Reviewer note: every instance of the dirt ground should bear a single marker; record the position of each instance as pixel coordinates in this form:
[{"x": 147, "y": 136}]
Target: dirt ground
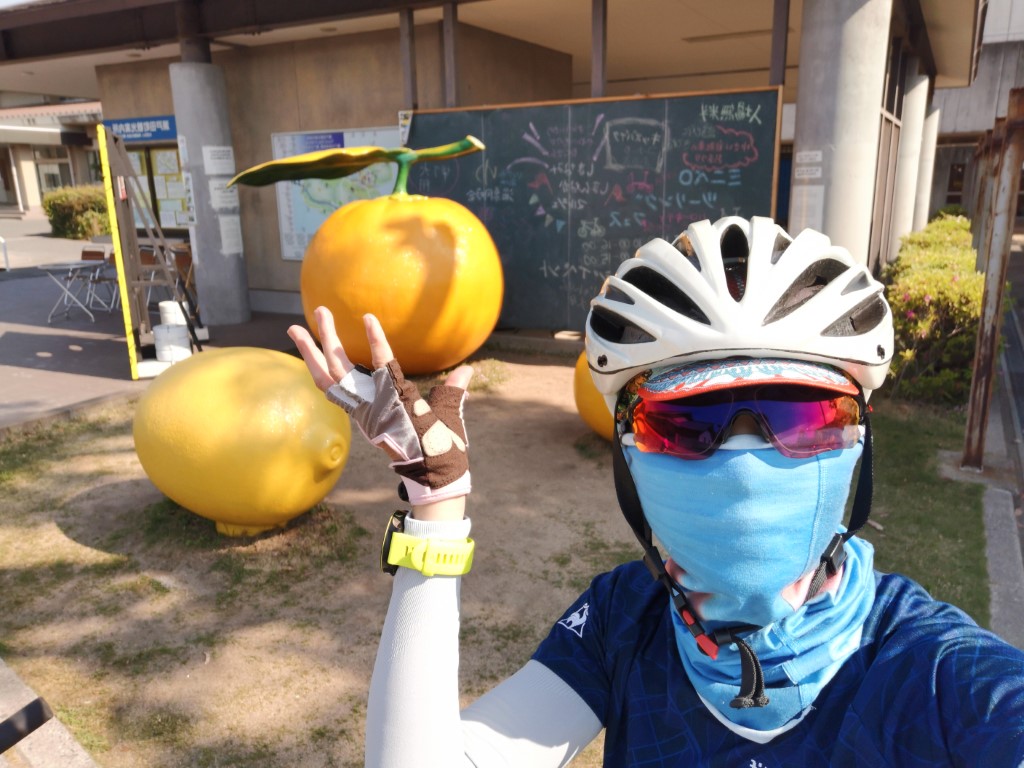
[{"x": 160, "y": 643}]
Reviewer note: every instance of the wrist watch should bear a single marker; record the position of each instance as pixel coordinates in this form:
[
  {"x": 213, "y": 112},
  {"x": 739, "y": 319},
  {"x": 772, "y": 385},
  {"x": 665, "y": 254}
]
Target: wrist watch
[{"x": 431, "y": 557}]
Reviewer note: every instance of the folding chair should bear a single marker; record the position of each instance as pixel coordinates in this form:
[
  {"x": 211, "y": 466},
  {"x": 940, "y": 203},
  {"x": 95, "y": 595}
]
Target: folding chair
[{"x": 101, "y": 292}]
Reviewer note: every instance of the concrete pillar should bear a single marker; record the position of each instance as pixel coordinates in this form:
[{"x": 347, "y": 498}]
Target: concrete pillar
[
  {"x": 193, "y": 44},
  {"x": 208, "y": 157},
  {"x": 908, "y": 156},
  {"x": 843, "y": 50},
  {"x": 449, "y": 53},
  {"x": 598, "y": 48},
  {"x": 926, "y": 169}
]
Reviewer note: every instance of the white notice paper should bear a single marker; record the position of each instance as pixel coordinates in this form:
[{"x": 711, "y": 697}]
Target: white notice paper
[
  {"x": 222, "y": 197},
  {"x": 190, "y": 199},
  {"x": 807, "y": 172},
  {"x": 219, "y": 161},
  {"x": 230, "y": 234}
]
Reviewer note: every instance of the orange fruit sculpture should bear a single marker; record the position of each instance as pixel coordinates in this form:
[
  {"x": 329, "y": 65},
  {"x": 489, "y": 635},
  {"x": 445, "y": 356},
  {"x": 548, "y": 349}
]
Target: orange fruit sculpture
[
  {"x": 589, "y": 402},
  {"x": 426, "y": 267},
  {"x": 241, "y": 436}
]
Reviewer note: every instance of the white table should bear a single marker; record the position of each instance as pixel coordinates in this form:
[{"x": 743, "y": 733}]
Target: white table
[{"x": 72, "y": 277}]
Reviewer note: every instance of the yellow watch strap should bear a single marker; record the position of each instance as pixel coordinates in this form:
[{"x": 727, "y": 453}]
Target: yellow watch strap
[{"x": 431, "y": 557}]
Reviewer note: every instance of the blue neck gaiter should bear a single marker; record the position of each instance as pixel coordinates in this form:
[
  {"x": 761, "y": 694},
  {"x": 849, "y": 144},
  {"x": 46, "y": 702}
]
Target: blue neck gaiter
[
  {"x": 799, "y": 655},
  {"x": 743, "y": 524}
]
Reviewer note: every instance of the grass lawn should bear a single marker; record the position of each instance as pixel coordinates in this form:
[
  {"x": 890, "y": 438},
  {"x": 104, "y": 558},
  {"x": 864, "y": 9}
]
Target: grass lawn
[{"x": 932, "y": 527}]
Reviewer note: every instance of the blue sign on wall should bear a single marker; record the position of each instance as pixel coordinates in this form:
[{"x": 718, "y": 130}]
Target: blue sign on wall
[{"x": 154, "y": 128}]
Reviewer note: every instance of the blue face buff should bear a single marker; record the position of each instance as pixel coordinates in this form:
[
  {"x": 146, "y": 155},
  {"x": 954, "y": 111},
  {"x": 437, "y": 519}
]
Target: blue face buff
[
  {"x": 799, "y": 655},
  {"x": 743, "y": 524}
]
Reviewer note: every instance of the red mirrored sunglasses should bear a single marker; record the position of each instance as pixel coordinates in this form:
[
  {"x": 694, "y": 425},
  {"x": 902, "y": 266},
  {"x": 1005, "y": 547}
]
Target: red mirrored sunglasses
[{"x": 799, "y": 421}]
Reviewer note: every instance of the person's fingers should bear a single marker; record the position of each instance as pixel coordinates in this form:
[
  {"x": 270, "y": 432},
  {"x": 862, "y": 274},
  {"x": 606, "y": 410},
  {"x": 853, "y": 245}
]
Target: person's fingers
[
  {"x": 313, "y": 357},
  {"x": 338, "y": 363},
  {"x": 380, "y": 350},
  {"x": 460, "y": 377}
]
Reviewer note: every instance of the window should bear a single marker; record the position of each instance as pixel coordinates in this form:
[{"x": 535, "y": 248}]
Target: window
[
  {"x": 8, "y": 192},
  {"x": 53, "y": 168},
  {"x": 57, "y": 152},
  {"x": 92, "y": 159},
  {"x": 955, "y": 185}
]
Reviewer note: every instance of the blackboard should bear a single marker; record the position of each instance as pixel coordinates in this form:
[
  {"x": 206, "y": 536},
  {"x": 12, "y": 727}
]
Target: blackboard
[{"x": 568, "y": 190}]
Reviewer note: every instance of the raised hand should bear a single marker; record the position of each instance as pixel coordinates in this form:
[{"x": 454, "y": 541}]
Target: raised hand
[{"x": 425, "y": 438}]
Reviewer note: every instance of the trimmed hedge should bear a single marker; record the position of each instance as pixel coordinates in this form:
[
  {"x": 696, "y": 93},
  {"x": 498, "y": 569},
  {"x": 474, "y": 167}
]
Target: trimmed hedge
[
  {"x": 935, "y": 294},
  {"x": 77, "y": 213},
  {"x": 950, "y": 209}
]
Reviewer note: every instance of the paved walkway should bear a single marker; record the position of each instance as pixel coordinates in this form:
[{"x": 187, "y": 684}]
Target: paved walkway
[{"x": 50, "y": 370}]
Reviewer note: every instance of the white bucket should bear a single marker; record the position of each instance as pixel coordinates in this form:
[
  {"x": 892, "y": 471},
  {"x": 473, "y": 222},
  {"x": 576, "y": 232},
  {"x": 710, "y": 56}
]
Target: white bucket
[
  {"x": 170, "y": 313},
  {"x": 172, "y": 343}
]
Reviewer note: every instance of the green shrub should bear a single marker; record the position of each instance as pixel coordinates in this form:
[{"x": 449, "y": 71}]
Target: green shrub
[
  {"x": 951, "y": 209},
  {"x": 77, "y": 213},
  {"x": 935, "y": 294}
]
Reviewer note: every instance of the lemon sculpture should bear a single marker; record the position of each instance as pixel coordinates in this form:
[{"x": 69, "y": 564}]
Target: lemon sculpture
[
  {"x": 425, "y": 266},
  {"x": 589, "y": 402},
  {"x": 241, "y": 436}
]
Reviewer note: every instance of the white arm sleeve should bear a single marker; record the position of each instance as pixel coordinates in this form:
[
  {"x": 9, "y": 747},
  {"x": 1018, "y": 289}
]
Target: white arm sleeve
[{"x": 534, "y": 718}]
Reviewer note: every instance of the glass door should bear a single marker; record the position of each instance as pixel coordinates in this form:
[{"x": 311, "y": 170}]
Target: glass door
[{"x": 8, "y": 184}]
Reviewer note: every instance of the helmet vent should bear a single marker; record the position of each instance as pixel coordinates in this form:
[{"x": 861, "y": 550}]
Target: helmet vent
[
  {"x": 665, "y": 292},
  {"x": 685, "y": 247},
  {"x": 861, "y": 282},
  {"x": 805, "y": 288},
  {"x": 861, "y": 319},
  {"x": 781, "y": 244},
  {"x": 614, "y": 294},
  {"x": 735, "y": 254},
  {"x": 611, "y": 327}
]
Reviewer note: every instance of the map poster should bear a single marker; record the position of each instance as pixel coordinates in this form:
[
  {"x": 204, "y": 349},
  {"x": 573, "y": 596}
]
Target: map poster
[{"x": 302, "y": 206}]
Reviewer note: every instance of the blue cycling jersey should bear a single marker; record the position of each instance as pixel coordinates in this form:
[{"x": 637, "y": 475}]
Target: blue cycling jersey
[{"x": 927, "y": 687}]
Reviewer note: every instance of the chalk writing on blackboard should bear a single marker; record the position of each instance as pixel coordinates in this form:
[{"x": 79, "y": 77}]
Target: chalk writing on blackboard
[
  {"x": 732, "y": 149},
  {"x": 570, "y": 190},
  {"x": 635, "y": 143},
  {"x": 737, "y": 111}
]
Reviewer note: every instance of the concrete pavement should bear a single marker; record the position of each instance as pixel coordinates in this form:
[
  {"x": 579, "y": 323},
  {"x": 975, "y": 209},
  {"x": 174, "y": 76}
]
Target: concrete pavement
[{"x": 50, "y": 369}]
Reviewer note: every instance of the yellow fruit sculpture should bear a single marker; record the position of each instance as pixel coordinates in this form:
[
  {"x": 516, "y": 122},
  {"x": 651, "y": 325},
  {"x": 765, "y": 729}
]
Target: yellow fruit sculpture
[
  {"x": 589, "y": 402},
  {"x": 426, "y": 267},
  {"x": 241, "y": 436}
]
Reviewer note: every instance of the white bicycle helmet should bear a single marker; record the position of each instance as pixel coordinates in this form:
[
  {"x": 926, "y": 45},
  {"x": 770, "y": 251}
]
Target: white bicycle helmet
[{"x": 739, "y": 288}]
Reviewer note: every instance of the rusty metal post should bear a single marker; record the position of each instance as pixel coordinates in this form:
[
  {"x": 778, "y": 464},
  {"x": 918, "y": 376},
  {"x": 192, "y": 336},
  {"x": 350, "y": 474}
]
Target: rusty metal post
[
  {"x": 984, "y": 199},
  {"x": 998, "y": 238},
  {"x": 997, "y": 150},
  {"x": 970, "y": 193}
]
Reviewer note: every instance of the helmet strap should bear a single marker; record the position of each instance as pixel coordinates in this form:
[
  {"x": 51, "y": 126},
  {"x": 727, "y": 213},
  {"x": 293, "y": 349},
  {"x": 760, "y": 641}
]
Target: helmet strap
[{"x": 834, "y": 556}]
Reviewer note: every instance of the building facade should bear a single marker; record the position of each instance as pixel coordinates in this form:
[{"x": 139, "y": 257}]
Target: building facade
[
  {"x": 44, "y": 147},
  {"x": 966, "y": 113},
  {"x": 856, "y": 77}
]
